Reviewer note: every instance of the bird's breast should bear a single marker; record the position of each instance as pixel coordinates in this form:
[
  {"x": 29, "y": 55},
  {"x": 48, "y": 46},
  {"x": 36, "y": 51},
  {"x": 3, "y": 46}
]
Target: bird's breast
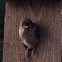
[{"x": 28, "y": 37}]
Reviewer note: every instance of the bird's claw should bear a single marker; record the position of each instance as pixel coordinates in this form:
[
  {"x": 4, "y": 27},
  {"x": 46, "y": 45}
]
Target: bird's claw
[
  {"x": 27, "y": 52},
  {"x": 33, "y": 51}
]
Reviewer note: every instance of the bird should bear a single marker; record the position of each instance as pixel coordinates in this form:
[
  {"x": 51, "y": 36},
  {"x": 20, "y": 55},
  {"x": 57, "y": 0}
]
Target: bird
[{"x": 29, "y": 33}]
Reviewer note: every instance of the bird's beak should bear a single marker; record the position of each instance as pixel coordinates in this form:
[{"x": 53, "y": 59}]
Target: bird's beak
[{"x": 25, "y": 27}]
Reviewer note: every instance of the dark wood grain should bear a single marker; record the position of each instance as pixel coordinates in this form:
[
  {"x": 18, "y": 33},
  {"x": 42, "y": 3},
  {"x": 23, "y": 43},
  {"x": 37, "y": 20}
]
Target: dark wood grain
[{"x": 48, "y": 14}]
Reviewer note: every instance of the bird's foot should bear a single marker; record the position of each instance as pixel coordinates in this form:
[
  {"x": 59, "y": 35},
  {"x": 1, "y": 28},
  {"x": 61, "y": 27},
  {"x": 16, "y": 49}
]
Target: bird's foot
[
  {"x": 28, "y": 52},
  {"x": 33, "y": 51}
]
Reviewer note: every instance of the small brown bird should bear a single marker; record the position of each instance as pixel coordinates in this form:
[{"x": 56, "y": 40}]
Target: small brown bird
[{"x": 29, "y": 33}]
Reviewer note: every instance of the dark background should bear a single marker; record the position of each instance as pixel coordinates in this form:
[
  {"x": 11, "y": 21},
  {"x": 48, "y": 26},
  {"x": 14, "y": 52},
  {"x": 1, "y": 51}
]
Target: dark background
[{"x": 2, "y": 14}]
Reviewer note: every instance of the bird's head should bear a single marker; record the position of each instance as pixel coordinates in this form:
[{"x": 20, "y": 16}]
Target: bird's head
[{"x": 26, "y": 23}]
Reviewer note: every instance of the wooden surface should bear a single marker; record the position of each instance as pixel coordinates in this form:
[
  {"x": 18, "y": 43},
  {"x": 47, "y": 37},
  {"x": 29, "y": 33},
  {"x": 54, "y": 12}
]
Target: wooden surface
[{"x": 48, "y": 14}]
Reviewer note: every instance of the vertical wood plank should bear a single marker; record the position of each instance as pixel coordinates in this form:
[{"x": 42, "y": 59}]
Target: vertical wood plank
[{"x": 48, "y": 14}]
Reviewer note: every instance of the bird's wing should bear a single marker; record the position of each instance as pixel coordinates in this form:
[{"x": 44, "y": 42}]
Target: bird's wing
[{"x": 37, "y": 31}]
